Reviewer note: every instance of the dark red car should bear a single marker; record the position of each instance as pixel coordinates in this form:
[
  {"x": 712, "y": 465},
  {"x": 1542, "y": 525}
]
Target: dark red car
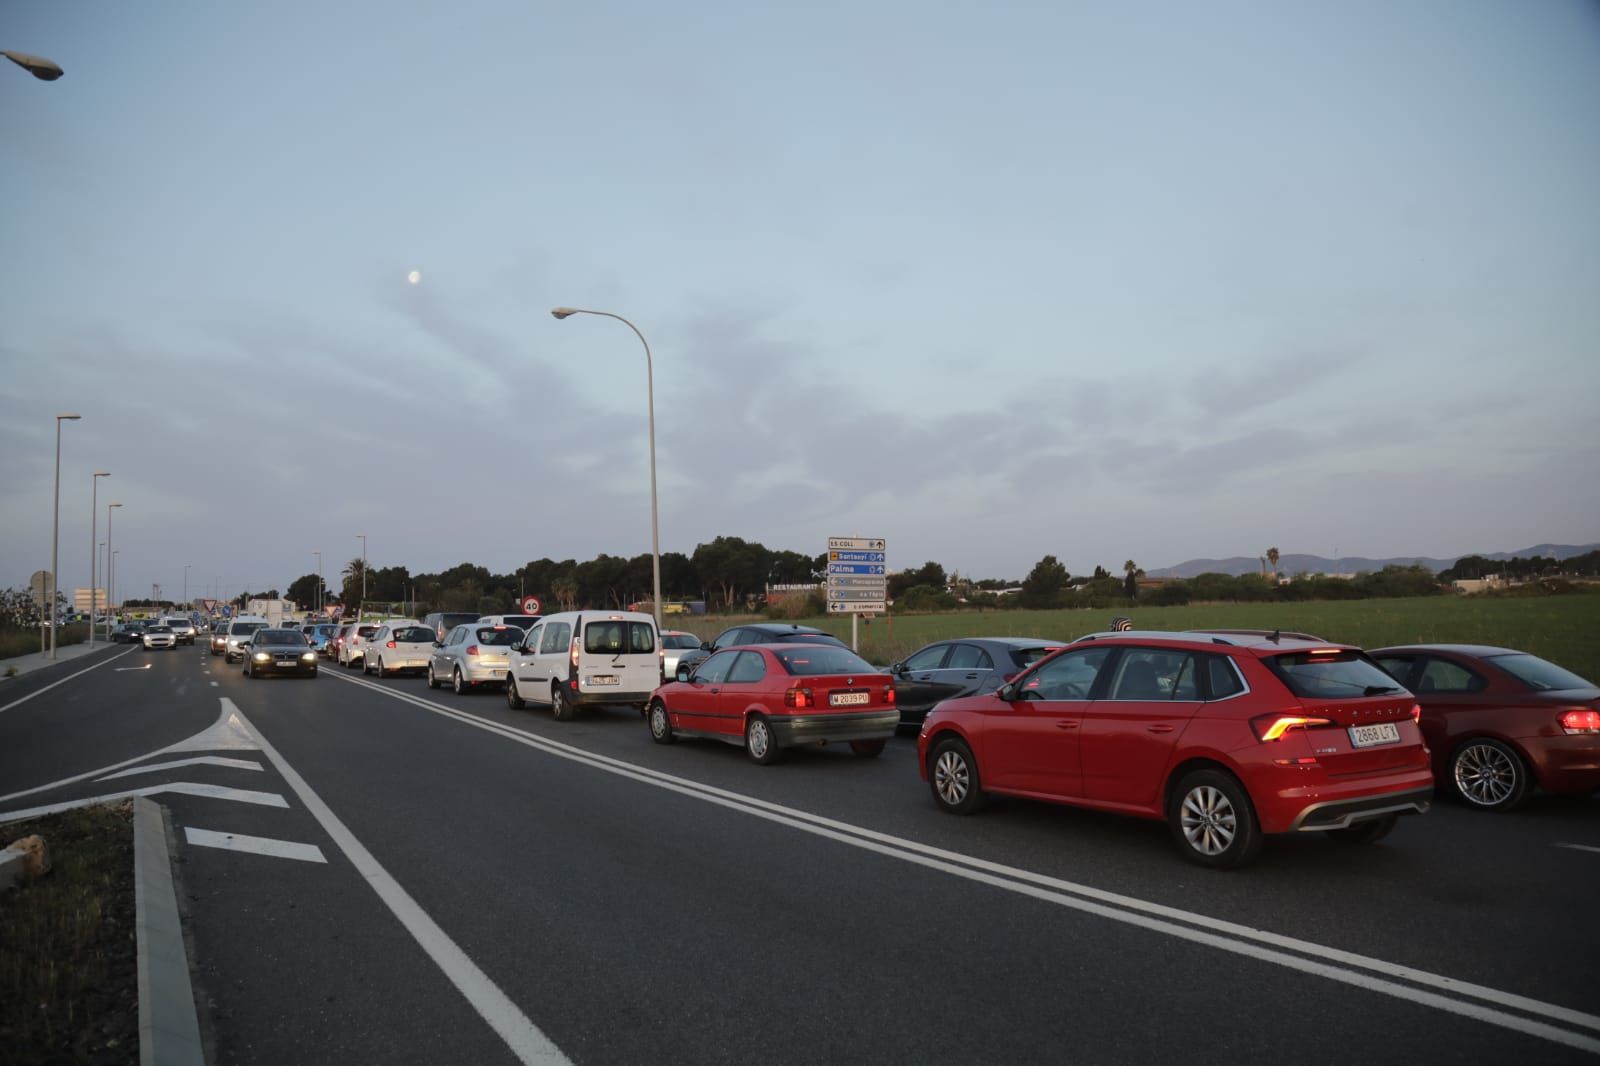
[
  {"x": 1226, "y": 737},
  {"x": 1500, "y": 721},
  {"x": 775, "y": 696}
]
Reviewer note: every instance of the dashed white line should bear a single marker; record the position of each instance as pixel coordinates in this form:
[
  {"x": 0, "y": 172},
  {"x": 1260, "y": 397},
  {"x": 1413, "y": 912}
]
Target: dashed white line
[
  {"x": 1579, "y": 847},
  {"x": 277, "y": 849},
  {"x": 63, "y": 681}
]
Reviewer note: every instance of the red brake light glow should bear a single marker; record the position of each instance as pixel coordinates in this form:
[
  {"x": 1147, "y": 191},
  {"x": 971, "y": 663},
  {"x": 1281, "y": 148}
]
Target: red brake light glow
[
  {"x": 472, "y": 649},
  {"x": 389, "y": 645},
  {"x": 1416, "y": 713},
  {"x": 799, "y": 697},
  {"x": 1270, "y": 727},
  {"x": 888, "y": 694},
  {"x": 1581, "y": 721}
]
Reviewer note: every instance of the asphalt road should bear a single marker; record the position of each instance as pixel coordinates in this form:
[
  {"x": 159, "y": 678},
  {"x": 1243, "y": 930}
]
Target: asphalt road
[{"x": 489, "y": 885}]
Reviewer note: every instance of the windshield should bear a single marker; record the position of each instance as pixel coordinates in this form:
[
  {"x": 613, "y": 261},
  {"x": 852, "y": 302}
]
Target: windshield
[
  {"x": 158, "y": 629},
  {"x": 279, "y": 636},
  {"x": 1331, "y": 675},
  {"x": 823, "y": 659},
  {"x": 241, "y": 628},
  {"x": 680, "y": 641},
  {"x": 1537, "y": 674}
]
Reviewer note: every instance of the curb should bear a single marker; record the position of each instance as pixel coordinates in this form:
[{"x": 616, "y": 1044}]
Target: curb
[{"x": 169, "y": 1031}]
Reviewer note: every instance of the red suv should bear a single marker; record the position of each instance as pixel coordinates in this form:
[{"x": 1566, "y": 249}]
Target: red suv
[{"x": 1226, "y": 737}]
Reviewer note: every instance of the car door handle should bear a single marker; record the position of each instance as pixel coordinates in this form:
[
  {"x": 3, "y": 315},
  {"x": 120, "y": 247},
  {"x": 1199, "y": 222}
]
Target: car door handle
[
  {"x": 715, "y": 691},
  {"x": 1066, "y": 723},
  {"x": 1159, "y": 727}
]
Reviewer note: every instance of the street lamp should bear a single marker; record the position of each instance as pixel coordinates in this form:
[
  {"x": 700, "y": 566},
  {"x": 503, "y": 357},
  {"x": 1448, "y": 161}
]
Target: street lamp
[
  {"x": 111, "y": 570},
  {"x": 650, "y": 384},
  {"x": 186, "y": 585},
  {"x": 363, "y": 606},
  {"x": 55, "y": 533},
  {"x": 40, "y": 67},
  {"x": 94, "y": 549},
  {"x": 319, "y": 583}
]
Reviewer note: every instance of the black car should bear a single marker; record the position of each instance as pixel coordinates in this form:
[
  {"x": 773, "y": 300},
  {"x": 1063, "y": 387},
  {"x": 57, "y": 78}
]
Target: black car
[
  {"x": 129, "y": 632},
  {"x": 760, "y": 633},
  {"x": 966, "y": 666},
  {"x": 278, "y": 651}
]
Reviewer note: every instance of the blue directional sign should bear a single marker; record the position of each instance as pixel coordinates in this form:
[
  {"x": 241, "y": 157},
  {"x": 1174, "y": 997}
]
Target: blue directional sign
[
  {"x": 855, "y": 568},
  {"x": 856, "y": 557}
]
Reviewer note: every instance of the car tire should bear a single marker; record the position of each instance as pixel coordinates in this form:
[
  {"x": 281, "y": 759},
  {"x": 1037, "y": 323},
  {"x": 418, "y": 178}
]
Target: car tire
[
  {"x": 1368, "y": 832},
  {"x": 459, "y": 683},
  {"x": 433, "y": 682},
  {"x": 379, "y": 669},
  {"x": 1213, "y": 821},
  {"x": 1488, "y": 775},
  {"x": 514, "y": 698},
  {"x": 953, "y": 776},
  {"x": 561, "y": 707},
  {"x": 867, "y": 749},
  {"x": 247, "y": 672},
  {"x": 660, "y": 723},
  {"x": 759, "y": 743}
]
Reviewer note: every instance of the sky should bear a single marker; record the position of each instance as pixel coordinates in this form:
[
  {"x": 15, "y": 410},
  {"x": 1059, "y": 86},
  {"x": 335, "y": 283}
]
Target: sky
[{"x": 991, "y": 281}]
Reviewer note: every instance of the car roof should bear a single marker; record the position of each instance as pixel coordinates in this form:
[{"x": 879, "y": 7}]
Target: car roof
[
  {"x": 1474, "y": 650},
  {"x": 1010, "y": 642},
  {"x": 1250, "y": 642},
  {"x": 781, "y": 627}
]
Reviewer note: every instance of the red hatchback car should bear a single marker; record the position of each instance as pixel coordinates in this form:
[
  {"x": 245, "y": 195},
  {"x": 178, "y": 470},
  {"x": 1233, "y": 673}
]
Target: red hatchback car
[
  {"x": 773, "y": 696},
  {"x": 1226, "y": 737},
  {"x": 1499, "y": 721}
]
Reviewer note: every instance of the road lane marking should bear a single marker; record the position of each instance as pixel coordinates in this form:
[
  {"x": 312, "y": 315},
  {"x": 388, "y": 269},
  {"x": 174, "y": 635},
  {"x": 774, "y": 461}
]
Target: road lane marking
[
  {"x": 1132, "y": 910},
  {"x": 526, "y": 1040},
  {"x": 1579, "y": 847},
  {"x": 277, "y": 849},
  {"x": 63, "y": 681},
  {"x": 199, "y": 760},
  {"x": 215, "y": 685},
  {"x": 182, "y": 788},
  {"x": 126, "y": 669},
  {"x": 221, "y": 735}
]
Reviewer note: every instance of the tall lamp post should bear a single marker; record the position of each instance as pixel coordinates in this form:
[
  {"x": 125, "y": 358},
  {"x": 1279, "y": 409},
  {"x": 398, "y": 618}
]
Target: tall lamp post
[
  {"x": 186, "y": 585},
  {"x": 111, "y": 570},
  {"x": 94, "y": 550},
  {"x": 363, "y": 606},
  {"x": 319, "y": 583},
  {"x": 650, "y": 385},
  {"x": 55, "y": 535},
  {"x": 40, "y": 67}
]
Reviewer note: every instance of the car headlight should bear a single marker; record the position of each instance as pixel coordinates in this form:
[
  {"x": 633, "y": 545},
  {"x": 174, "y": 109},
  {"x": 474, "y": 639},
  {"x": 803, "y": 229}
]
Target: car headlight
[
  {"x": 261, "y": 657},
  {"x": 308, "y": 657}
]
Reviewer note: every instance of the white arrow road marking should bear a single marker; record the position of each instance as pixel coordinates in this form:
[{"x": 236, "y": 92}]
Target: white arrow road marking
[
  {"x": 223, "y": 735},
  {"x": 277, "y": 849},
  {"x": 182, "y": 788},
  {"x": 198, "y": 760},
  {"x": 63, "y": 681},
  {"x": 125, "y": 669},
  {"x": 1579, "y": 847}
]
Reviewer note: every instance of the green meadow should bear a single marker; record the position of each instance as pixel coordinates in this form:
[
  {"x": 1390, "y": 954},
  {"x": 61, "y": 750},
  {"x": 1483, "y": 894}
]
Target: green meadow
[{"x": 1563, "y": 629}]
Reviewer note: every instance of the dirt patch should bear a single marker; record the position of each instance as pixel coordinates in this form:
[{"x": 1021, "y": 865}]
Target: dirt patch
[{"x": 69, "y": 981}]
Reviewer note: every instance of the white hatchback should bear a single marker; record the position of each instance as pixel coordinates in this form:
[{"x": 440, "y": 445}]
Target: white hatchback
[{"x": 396, "y": 646}]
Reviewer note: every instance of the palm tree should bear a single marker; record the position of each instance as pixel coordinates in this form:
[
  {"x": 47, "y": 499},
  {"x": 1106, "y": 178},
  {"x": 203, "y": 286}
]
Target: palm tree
[{"x": 1272, "y": 560}]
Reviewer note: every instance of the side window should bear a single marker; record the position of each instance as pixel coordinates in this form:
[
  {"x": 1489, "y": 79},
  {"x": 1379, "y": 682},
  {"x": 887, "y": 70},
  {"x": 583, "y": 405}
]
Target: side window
[
  {"x": 534, "y": 636},
  {"x": 750, "y": 666},
  {"x": 1222, "y": 677},
  {"x": 928, "y": 658},
  {"x": 1442, "y": 675},
  {"x": 1069, "y": 676},
  {"x": 455, "y": 636},
  {"x": 557, "y": 636},
  {"x": 714, "y": 670},
  {"x": 969, "y": 657},
  {"x": 1398, "y": 667},
  {"x": 1150, "y": 674},
  {"x": 729, "y": 638}
]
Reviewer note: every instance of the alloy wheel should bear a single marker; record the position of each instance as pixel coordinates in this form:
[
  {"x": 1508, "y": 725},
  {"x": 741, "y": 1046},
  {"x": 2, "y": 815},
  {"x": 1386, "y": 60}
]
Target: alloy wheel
[
  {"x": 1209, "y": 820},
  {"x": 951, "y": 777},
  {"x": 1485, "y": 774}
]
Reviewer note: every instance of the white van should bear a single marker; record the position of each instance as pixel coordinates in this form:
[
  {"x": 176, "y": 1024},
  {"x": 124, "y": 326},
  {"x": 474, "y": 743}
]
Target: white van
[{"x": 575, "y": 658}]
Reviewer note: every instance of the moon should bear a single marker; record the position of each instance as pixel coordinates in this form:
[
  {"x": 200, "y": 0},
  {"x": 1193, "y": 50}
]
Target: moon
[{"x": 414, "y": 277}]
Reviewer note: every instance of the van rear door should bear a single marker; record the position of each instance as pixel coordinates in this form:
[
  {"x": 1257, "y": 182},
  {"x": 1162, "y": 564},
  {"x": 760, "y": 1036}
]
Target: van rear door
[{"x": 619, "y": 653}]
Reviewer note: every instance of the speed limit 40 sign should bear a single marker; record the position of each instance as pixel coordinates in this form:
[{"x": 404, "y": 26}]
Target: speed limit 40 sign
[{"x": 530, "y": 605}]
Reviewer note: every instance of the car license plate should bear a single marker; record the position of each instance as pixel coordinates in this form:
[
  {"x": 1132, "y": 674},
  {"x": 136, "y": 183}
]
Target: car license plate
[
  {"x": 1367, "y": 736},
  {"x": 603, "y": 679},
  {"x": 846, "y": 699}
]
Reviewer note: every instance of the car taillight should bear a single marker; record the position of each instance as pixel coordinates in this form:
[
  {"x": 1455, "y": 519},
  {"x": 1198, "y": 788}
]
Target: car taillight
[
  {"x": 888, "y": 694},
  {"x": 799, "y": 697},
  {"x": 1271, "y": 727},
  {"x": 391, "y": 644},
  {"x": 472, "y": 649},
  {"x": 1581, "y": 721},
  {"x": 573, "y": 654},
  {"x": 1416, "y": 713}
]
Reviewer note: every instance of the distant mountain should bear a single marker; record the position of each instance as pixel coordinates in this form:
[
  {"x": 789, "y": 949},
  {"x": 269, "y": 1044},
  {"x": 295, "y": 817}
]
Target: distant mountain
[{"x": 1354, "y": 564}]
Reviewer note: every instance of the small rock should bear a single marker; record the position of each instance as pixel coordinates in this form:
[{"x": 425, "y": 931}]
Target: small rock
[{"x": 36, "y": 856}]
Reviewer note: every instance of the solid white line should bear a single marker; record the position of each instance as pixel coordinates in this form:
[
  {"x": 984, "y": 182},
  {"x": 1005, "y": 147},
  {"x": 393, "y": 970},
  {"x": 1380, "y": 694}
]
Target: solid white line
[
  {"x": 916, "y": 852},
  {"x": 277, "y": 849},
  {"x": 63, "y": 681},
  {"x": 198, "y": 760},
  {"x": 182, "y": 788},
  {"x": 525, "y": 1039},
  {"x": 1578, "y": 847}
]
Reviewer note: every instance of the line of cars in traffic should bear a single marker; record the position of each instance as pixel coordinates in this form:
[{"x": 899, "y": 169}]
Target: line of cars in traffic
[{"x": 1229, "y": 736}]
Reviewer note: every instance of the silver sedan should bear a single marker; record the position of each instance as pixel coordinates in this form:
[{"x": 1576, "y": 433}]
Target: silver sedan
[{"x": 472, "y": 655}]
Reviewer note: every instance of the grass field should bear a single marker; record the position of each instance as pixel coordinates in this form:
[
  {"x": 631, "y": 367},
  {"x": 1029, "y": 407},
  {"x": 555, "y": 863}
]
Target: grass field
[{"x": 1563, "y": 629}]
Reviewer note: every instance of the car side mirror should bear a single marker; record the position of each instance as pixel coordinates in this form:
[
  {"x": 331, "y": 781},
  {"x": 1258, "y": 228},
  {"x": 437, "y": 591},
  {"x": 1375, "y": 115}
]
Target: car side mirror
[
  {"x": 897, "y": 669},
  {"x": 685, "y": 672},
  {"x": 245, "y": 643},
  {"x": 705, "y": 645},
  {"x": 1007, "y": 692},
  {"x": 438, "y": 644}
]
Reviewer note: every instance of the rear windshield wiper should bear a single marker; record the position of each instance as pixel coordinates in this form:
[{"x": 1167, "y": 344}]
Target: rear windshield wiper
[{"x": 1379, "y": 690}]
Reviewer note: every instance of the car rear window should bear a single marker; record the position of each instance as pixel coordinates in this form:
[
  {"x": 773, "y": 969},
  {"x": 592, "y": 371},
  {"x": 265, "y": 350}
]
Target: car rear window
[
  {"x": 1332, "y": 674},
  {"x": 1028, "y": 656},
  {"x": 246, "y": 627},
  {"x": 680, "y": 641},
  {"x": 615, "y": 636},
  {"x": 499, "y": 636},
  {"x": 158, "y": 629},
  {"x": 415, "y": 635},
  {"x": 823, "y": 659},
  {"x": 521, "y": 621},
  {"x": 1537, "y": 674}
]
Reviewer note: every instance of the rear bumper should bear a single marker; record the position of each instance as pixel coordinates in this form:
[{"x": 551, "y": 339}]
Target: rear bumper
[
  {"x": 796, "y": 729},
  {"x": 1565, "y": 764},
  {"x": 594, "y": 697},
  {"x": 482, "y": 673}
]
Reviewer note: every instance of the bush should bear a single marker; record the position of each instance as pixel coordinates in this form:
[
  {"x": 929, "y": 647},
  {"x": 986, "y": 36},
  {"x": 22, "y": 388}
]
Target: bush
[{"x": 794, "y": 605}]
